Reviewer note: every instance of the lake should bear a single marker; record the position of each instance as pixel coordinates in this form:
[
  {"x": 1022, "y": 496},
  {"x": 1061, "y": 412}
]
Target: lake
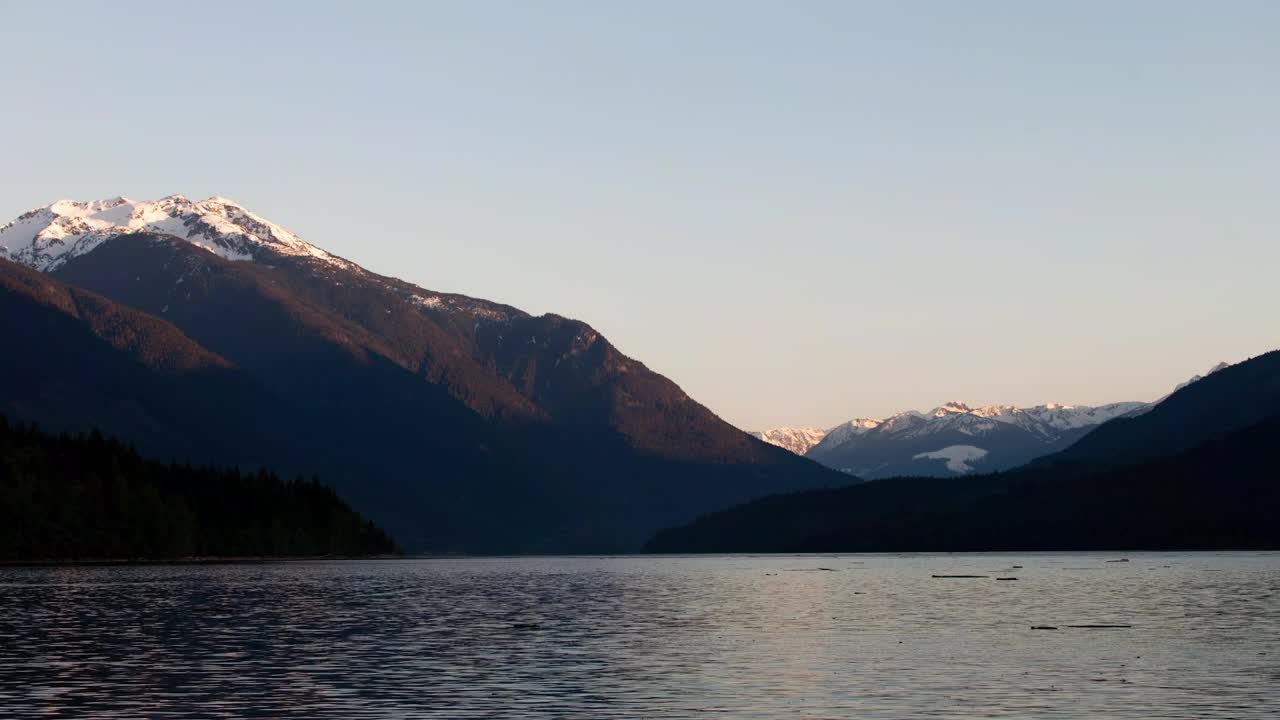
[{"x": 867, "y": 636}]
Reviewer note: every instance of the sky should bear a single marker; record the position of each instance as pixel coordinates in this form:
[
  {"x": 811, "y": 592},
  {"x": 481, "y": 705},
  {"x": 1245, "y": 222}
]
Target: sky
[{"x": 801, "y": 212}]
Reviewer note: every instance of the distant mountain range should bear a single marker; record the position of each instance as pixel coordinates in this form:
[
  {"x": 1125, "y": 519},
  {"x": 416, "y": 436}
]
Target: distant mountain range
[
  {"x": 1196, "y": 471},
  {"x": 200, "y": 330},
  {"x": 953, "y": 438}
]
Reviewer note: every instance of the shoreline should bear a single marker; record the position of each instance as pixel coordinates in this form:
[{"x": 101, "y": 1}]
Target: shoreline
[
  {"x": 263, "y": 560},
  {"x": 198, "y": 560}
]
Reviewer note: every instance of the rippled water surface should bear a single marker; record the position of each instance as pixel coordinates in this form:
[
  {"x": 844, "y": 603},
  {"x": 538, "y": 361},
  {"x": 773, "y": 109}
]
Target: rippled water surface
[{"x": 648, "y": 637}]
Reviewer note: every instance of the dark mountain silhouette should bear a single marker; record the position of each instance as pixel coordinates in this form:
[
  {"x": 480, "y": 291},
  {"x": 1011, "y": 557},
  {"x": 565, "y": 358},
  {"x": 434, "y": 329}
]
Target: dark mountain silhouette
[
  {"x": 1200, "y": 470},
  {"x": 92, "y": 498},
  {"x": 461, "y": 425},
  {"x": 1231, "y": 398}
]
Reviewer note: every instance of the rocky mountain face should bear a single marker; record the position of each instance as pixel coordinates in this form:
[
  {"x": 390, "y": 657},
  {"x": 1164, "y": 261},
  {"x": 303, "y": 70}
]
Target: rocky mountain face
[{"x": 458, "y": 423}]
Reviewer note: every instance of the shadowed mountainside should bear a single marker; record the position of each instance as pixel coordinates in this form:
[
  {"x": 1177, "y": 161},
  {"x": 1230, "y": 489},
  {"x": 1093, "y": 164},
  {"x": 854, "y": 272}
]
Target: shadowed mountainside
[
  {"x": 1235, "y": 397},
  {"x": 462, "y": 425}
]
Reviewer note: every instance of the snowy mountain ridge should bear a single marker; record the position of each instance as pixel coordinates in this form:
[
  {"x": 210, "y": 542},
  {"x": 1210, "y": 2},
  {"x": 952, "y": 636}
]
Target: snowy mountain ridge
[
  {"x": 956, "y": 438},
  {"x": 796, "y": 439},
  {"x": 47, "y": 237}
]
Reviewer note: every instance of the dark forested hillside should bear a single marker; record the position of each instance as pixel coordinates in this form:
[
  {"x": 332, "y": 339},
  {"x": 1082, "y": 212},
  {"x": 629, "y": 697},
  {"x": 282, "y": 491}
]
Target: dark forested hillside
[
  {"x": 1221, "y": 494},
  {"x": 88, "y": 497},
  {"x": 1232, "y": 398}
]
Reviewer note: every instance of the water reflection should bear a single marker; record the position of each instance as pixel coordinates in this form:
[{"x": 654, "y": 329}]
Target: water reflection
[{"x": 733, "y": 637}]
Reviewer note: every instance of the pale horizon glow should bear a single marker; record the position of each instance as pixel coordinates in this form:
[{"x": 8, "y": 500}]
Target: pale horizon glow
[{"x": 801, "y": 213}]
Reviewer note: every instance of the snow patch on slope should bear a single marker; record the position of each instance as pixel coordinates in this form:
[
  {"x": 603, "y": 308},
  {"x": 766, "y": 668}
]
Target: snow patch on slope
[{"x": 958, "y": 457}]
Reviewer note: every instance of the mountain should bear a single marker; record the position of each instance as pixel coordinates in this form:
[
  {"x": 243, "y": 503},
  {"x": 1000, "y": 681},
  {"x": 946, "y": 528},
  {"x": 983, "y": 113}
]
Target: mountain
[
  {"x": 796, "y": 439},
  {"x": 843, "y": 432},
  {"x": 76, "y": 360},
  {"x": 1194, "y": 488},
  {"x": 956, "y": 439},
  {"x": 94, "y": 498},
  {"x": 1223, "y": 401},
  {"x": 48, "y": 237},
  {"x": 462, "y": 425}
]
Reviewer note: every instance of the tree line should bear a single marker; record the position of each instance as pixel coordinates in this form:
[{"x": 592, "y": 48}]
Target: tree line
[{"x": 87, "y": 497}]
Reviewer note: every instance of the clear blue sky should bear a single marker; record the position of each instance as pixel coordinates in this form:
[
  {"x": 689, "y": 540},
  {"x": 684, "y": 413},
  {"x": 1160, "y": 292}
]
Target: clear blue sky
[{"x": 799, "y": 211}]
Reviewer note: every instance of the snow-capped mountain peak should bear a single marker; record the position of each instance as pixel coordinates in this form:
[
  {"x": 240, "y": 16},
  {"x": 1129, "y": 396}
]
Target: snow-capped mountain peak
[
  {"x": 951, "y": 408},
  {"x": 902, "y": 422},
  {"x": 49, "y": 236},
  {"x": 858, "y": 425},
  {"x": 796, "y": 439},
  {"x": 842, "y": 432}
]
